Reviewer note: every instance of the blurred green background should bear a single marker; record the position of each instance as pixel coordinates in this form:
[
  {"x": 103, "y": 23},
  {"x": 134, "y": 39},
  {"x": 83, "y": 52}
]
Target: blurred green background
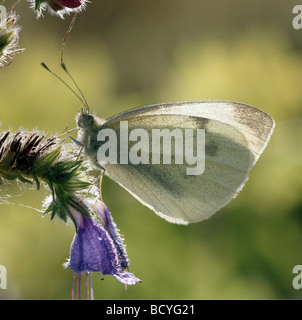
[{"x": 125, "y": 54}]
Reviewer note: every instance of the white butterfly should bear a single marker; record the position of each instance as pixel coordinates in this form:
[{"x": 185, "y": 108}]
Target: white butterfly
[{"x": 235, "y": 136}]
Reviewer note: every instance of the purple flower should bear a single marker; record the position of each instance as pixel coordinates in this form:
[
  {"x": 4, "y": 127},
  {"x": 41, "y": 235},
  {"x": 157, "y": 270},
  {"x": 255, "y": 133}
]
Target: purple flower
[{"x": 97, "y": 248}]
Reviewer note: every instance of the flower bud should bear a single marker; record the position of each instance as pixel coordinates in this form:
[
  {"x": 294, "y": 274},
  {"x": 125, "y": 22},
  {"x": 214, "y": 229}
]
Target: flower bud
[
  {"x": 58, "y": 7},
  {"x": 71, "y": 3},
  {"x": 9, "y": 37}
]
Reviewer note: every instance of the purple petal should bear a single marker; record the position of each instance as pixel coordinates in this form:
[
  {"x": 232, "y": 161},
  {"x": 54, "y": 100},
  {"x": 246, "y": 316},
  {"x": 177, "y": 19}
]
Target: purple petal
[
  {"x": 113, "y": 231},
  {"x": 127, "y": 278},
  {"x": 92, "y": 249}
]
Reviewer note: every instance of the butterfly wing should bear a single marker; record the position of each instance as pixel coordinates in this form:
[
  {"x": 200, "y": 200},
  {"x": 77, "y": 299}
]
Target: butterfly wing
[{"x": 235, "y": 136}]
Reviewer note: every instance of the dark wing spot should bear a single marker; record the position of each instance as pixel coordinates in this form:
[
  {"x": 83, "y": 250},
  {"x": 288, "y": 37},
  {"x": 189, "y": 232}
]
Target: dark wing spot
[{"x": 211, "y": 148}]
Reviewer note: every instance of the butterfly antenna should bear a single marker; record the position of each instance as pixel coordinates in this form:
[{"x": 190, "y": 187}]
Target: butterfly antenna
[
  {"x": 63, "y": 64},
  {"x": 71, "y": 77},
  {"x": 83, "y": 101}
]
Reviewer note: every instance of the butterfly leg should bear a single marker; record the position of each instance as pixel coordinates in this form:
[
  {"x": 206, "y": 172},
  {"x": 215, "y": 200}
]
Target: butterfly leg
[
  {"x": 93, "y": 183},
  {"x": 100, "y": 184},
  {"x": 77, "y": 142},
  {"x": 100, "y": 167}
]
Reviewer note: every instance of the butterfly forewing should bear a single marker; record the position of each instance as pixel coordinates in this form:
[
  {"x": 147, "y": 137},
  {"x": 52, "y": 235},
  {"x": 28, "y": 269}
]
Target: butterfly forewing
[{"x": 235, "y": 136}]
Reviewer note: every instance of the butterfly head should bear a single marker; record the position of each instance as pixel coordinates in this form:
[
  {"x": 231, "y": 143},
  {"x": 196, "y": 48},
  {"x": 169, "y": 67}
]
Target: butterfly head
[{"x": 84, "y": 119}]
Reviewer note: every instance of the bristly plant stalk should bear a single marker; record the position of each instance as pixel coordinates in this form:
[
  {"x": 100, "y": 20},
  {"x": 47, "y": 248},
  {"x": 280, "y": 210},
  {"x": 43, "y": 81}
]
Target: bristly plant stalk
[{"x": 31, "y": 158}]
